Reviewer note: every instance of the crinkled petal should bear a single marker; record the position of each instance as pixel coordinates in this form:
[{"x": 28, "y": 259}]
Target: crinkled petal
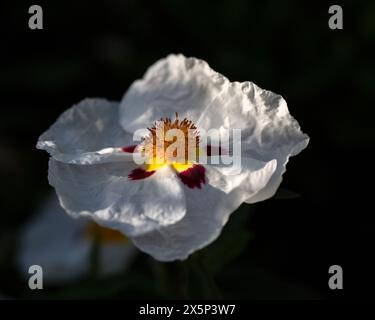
[
  {"x": 282, "y": 157},
  {"x": 191, "y": 88},
  {"x": 208, "y": 210},
  {"x": 87, "y": 133},
  {"x": 58, "y": 244},
  {"x": 187, "y": 86},
  {"x": 250, "y": 177},
  {"x": 268, "y": 131},
  {"x": 105, "y": 193}
]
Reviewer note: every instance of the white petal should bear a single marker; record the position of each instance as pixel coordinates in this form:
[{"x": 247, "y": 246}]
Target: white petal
[
  {"x": 268, "y": 131},
  {"x": 208, "y": 210},
  {"x": 105, "y": 193},
  {"x": 191, "y": 88},
  {"x": 251, "y": 178},
  {"x": 87, "y": 133},
  {"x": 269, "y": 190},
  {"x": 54, "y": 241},
  {"x": 174, "y": 84},
  {"x": 58, "y": 243},
  {"x": 271, "y": 132},
  {"x": 282, "y": 156}
]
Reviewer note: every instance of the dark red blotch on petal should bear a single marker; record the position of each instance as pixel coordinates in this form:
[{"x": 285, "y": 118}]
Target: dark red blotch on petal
[
  {"x": 129, "y": 149},
  {"x": 193, "y": 177},
  {"x": 139, "y": 174}
]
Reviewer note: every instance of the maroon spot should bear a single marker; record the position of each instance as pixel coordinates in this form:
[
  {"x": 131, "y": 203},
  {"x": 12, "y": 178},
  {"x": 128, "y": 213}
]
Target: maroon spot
[
  {"x": 129, "y": 149},
  {"x": 193, "y": 177},
  {"x": 139, "y": 174},
  {"x": 215, "y": 151}
]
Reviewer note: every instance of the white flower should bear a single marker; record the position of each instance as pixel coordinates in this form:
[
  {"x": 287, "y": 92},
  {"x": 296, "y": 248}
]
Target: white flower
[
  {"x": 62, "y": 245},
  {"x": 169, "y": 210}
]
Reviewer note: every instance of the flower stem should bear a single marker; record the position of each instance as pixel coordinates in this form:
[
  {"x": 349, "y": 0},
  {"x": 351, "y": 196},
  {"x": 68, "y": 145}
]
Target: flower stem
[
  {"x": 209, "y": 287},
  {"x": 95, "y": 257}
]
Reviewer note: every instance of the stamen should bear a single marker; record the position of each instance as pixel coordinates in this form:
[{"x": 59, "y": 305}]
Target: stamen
[
  {"x": 156, "y": 138},
  {"x": 155, "y": 146}
]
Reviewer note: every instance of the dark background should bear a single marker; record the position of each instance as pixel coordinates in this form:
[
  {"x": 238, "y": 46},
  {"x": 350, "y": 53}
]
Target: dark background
[{"x": 97, "y": 49}]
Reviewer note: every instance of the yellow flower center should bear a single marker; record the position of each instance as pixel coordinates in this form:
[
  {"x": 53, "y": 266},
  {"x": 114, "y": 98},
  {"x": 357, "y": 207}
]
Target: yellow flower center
[
  {"x": 172, "y": 143},
  {"x": 105, "y": 235}
]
